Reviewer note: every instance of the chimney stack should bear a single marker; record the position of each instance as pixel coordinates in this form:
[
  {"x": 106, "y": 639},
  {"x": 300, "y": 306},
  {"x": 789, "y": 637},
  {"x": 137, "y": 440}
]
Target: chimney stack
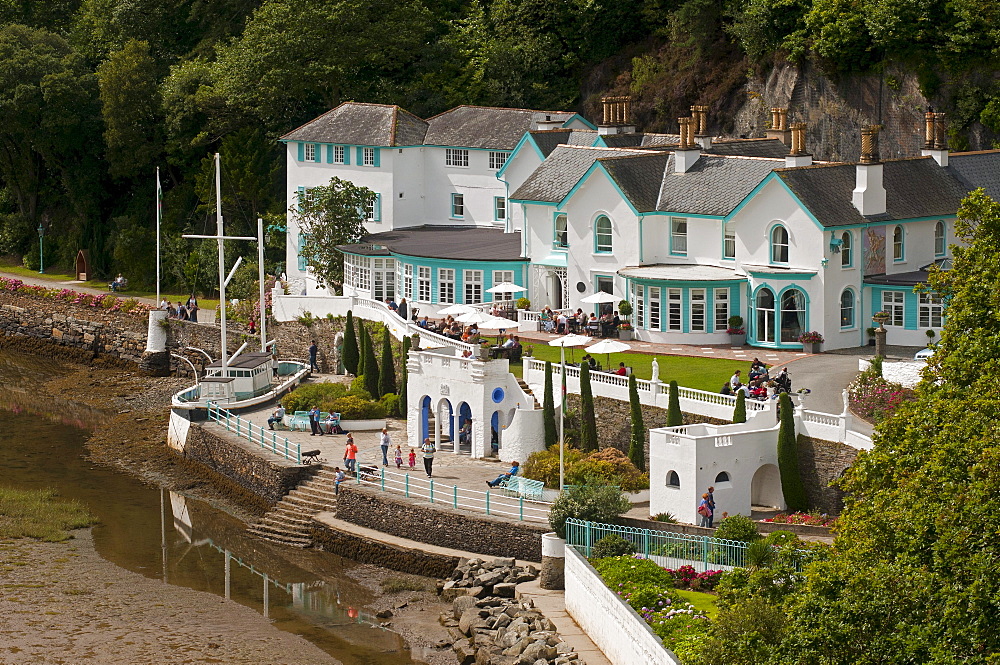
[
  {"x": 869, "y": 192},
  {"x": 688, "y": 152},
  {"x": 700, "y": 116},
  {"x": 798, "y": 156},
  {"x": 617, "y": 116},
  {"x": 935, "y": 138},
  {"x": 779, "y": 126}
]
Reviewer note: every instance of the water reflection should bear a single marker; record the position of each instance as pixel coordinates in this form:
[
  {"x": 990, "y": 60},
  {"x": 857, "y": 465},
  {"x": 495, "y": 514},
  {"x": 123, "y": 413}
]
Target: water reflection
[{"x": 177, "y": 539}]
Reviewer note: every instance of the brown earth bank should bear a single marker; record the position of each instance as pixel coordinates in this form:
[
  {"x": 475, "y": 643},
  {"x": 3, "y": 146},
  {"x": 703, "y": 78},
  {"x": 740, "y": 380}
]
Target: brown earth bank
[{"x": 87, "y": 609}]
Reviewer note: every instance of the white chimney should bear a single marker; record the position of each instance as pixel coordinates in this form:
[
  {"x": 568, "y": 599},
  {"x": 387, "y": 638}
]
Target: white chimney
[
  {"x": 543, "y": 122},
  {"x": 869, "y": 192},
  {"x": 699, "y": 116},
  {"x": 688, "y": 152},
  {"x": 935, "y": 138},
  {"x": 798, "y": 156}
]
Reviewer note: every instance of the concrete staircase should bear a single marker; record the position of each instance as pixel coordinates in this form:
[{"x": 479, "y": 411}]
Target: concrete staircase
[
  {"x": 527, "y": 391},
  {"x": 288, "y": 522}
]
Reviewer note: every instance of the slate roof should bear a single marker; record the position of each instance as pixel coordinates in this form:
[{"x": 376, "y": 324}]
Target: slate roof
[
  {"x": 977, "y": 169},
  {"x": 915, "y": 187},
  {"x": 682, "y": 272},
  {"x": 463, "y": 243},
  {"x": 772, "y": 148},
  {"x": 714, "y": 185},
  {"x": 548, "y": 139},
  {"x": 484, "y": 126},
  {"x": 353, "y": 123},
  {"x": 560, "y": 172},
  {"x": 639, "y": 177},
  {"x": 639, "y": 140}
]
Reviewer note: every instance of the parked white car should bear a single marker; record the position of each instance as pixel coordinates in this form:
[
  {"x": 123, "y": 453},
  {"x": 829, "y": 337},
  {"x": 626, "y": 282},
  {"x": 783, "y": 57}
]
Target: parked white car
[{"x": 924, "y": 354}]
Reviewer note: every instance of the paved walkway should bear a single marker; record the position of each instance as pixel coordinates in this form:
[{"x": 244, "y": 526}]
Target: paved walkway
[{"x": 553, "y": 605}]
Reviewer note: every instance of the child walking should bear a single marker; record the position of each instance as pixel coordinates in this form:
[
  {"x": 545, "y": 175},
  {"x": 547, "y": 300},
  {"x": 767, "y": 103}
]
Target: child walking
[
  {"x": 399, "y": 457},
  {"x": 413, "y": 458}
]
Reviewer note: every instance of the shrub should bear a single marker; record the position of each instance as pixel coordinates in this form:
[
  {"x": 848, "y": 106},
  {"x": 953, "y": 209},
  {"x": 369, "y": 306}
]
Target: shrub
[
  {"x": 355, "y": 407},
  {"x": 607, "y": 467},
  {"x": 666, "y": 518},
  {"x": 305, "y": 319},
  {"x": 674, "y": 415},
  {"x": 588, "y": 423},
  {"x": 740, "y": 411},
  {"x": 803, "y": 518},
  {"x": 591, "y": 502},
  {"x": 621, "y": 570},
  {"x": 358, "y": 386},
  {"x": 549, "y": 409},
  {"x": 788, "y": 457},
  {"x": 637, "y": 438},
  {"x": 613, "y": 545},
  {"x": 391, "y": 403},
  {"x": 523, "y": 303},
  {"x": 875, "y": 399},
  {"x": 387, "y": 370},
  {"x": 305, "y": 397},
  {"x": 781, "y": 538},
  {"x": 350, "y": 352},
  {"x": 544, "y": 465},
  {"x": 738, "y": 527}
]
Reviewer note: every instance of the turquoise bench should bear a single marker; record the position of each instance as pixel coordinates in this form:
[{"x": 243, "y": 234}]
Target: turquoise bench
[{"x": 520, "y": 486}]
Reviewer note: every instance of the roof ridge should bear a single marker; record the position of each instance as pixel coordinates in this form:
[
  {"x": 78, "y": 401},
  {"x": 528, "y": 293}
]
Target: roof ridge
[
  {"x": 634, "y": 154},
  {"x": 606, "y": 149},
  {"x": 309, "y": 122},
  {"x": 495, "y": 108},
  {"x": 562, "y": 129},
  {"x": 975, "y": 152}
]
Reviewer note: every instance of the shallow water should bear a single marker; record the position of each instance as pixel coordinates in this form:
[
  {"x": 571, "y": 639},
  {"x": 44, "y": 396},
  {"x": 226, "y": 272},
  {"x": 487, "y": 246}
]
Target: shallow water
[{"x": 183, "y": 541}]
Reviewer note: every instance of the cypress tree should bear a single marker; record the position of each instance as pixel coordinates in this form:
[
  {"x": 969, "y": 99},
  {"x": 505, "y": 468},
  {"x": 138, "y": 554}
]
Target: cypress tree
[
  {"x": 401, "y": 404},
  {"x": 788, "y": 458},
  {"x": 674, "y": 415},
  {"x": 637, "y": 442},
  {"x": 387, "y": 373},
  {"x": 362, "y": 340},
  {"x": 588, "y": 422},
  {"x": 549, "y": 409},
  {"x": 351, "y": 355},
  {"x": 740, "y": 412},
  {"x": 371, "y": 367}
]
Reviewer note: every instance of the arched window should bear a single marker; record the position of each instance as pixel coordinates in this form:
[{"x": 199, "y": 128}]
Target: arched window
[
  {"x": 847, "y": 309},
  {"x": 897, "y": 243},
  {"x": 560, "y": 238},
  {"x": 940, "y": 244},
  {"x": 673, "y": 480},
  {"x": 602, "y": 234},
  {"x": 793, "y": 315},
  {"x": 846, "y": 250},
  {"x": 765, "y": 315},
  {"x": 779, "y": 244},
  {"x": 723, "y": 477}
]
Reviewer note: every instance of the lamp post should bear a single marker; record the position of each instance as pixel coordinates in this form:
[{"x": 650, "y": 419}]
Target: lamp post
[{"x": 41, "y": 251}]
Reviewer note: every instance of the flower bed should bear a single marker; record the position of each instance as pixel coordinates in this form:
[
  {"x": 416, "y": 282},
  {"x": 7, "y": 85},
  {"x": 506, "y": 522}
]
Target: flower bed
[
  {"x": 651, "y": 591},
  {"x": 803, "y": 518},
  {"x": 875, "y": 399},
  {"x": 106, "y": 301}
]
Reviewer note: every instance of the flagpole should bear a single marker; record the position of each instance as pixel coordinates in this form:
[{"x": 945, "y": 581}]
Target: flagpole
[
  {"x": 562, "y": 411},
  {"x": 159, "y": 196}
]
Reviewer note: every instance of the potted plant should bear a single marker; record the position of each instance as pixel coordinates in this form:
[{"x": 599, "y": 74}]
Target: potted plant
[
  {"x": 881, "y": 318},
  {"x": 523, "y": 303},
  {"x": 871, "y": 336},
  {"x": 811, "y": 341},
  {"x": 737, "y": 333},
  {"x": 625, "y": 328},
  {"x": 625, "y": 331},
  {"x": 930, "y": 337}
]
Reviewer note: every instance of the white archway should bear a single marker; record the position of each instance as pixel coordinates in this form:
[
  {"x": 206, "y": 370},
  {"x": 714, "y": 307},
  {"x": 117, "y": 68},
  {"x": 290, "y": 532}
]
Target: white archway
[{"x": 765, "y": 488}]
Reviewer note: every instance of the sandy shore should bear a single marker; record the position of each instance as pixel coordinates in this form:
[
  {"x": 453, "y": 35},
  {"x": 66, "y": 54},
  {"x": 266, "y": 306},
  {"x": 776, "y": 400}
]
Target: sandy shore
[{"x": 63, "y": 603}]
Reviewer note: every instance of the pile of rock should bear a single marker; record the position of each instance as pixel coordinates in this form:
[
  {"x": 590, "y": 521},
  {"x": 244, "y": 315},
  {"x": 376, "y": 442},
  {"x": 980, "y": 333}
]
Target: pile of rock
[
  {"x": 480, "y": 578},
  {"x": 488, "y": 626}
]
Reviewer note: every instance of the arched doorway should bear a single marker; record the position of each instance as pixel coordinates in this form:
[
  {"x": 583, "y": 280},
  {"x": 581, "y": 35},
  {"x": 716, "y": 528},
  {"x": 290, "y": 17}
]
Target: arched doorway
[
  {"x": 554, "y": 288},
  {"x": 765, "y": 322},
  {"x": 425, "y": 417},
  {"x": 464, "y": 416},
  {"x": 496, "y": 422},
  {"x": 765, "y": 487},
  {"x": 444, "y": 417},
  {"x": 793, "y": 315}
]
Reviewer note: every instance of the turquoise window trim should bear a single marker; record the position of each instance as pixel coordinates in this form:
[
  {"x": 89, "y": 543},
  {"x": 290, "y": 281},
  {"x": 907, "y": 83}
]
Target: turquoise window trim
[
  {"x": 611, "y": 232},
  {"x": 555, "y": 245},
  {"x": 722, "y": 253},
  {"x": 347, "y": 155},
  {"x": 685, "y": 310},
  {"x": 944, "y": 239},
  {"x": 902, "y": 243},
  {"x": 750, "y": 320},
  {"x": 302, "y": 152},
  {"x": 734, "y": 303},
  {"x": 452, "y": 213},
  {"x": 378, "y": 158},
  {"x": 850, "y": 250},
  {"x": 298, "y": 250},
  {"x": 496, "y": 209},
  {"x": 329, "y": 154},
  {"x": 359, "y": 154},
  {"x": 594, "y": 285},
  {"x": 854, "y": 316},
  {"x": 377, "y": 209},
  {"x": 318, "y": 154},
  {"x": 770, "y": 244}
]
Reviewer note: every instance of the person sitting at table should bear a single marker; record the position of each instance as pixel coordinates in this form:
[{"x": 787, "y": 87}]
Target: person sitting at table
[
  {"x": 562, "y": 324},
  {"x": 515, "y": 468},
  {"x": 593, "y": 325},
  {"x": 465, "y": 432},
  {"x": 590, "y": 360},
  {"x": 331, "y": 424},
  {"x": 276, "y": 417},
  {"x": 467, "y": 353},
  {"x": 503, "y": 349},
  {"x": 423, "y": 323},
  {"x": 621, "y": 371},
  {"x": 607, "y": 327}
]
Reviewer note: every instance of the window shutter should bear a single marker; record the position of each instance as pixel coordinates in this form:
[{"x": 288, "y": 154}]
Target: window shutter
[
  {"x": 319, "y": 153},
  {"x": 302, "y": 259},
  {"x": 329, "y": 154},
  {"x": 302, "y": 152},
  {"x": 376, "y": 157},
  {"x": 360, "y": 154},
  {"x": 302, "y": 194},
  {"x": 347, "y": 155},
  {"x": 378, "y": 201}
]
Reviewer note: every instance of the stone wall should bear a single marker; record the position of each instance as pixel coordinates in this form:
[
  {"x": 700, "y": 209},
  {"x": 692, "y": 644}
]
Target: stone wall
[
  {"x": 90, "y": 330},
  {"x": 386, "y": 555},
  {"x": 820, "y": 463},
  {"x": 440, "y": 525},
  {"x": 614, "y": 421},
  {"x": 231, "y": 458}
]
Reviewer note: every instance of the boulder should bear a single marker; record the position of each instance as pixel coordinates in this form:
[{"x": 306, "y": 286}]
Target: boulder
[{"x": 504, "y": 590}]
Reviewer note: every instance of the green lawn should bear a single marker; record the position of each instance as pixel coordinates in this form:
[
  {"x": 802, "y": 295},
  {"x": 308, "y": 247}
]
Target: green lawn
[
  {"x": 704, "y": 602},
  {"x": 700, "y": 373}
]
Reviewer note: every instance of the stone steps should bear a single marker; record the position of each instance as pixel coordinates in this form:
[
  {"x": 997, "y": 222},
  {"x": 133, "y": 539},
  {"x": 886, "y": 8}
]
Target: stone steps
[
  {"x": 288, "y": 522},
  {"x": 527, "y": 389}
]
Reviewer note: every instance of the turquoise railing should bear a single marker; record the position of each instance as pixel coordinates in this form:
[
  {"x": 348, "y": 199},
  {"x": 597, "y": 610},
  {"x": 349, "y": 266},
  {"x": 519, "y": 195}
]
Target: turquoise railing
[{"x": 266, "y": 439}]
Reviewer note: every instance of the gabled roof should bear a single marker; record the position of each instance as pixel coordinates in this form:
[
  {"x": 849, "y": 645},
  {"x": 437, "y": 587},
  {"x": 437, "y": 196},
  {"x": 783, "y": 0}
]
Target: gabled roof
[
  {"x": 485, "y": 126},
  {"x": 446, "y": 241},
  {"x": 354, "y": 123},
  {"x": 772, "y": 148},
  {"x": 915, "y": 188},
  {"x": 977, "y": 169},
  {"x": 561, "y": 171},
  {"x": 638, "y": 177},
  {"x": 548, "y": 139}
]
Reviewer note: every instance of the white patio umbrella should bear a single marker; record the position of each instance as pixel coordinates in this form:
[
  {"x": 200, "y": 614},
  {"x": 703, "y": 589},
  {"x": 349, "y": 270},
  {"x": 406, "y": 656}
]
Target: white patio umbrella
[
  {"x": 506, "y": 287},
  {"x": 600, "y": 298},
  {"x": 562, "y": 343},
  {"x": 452, "y": 310},
  {"x": 476, "y": 316},
  {"x": 607, "y": 347}
]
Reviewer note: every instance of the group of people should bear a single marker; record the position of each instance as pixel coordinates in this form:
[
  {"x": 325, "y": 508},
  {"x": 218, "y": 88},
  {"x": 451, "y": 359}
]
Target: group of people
[
  {"x": 509, "y": 348},
  {"x": 759, "y": 383},
  {"x": 706, "y": 508},
  {"x": 183, "y": 311},
  {"x": 565, "y": 322},
  {"x": 401, "y": 308},
  {"x": 453, "y": 329}
]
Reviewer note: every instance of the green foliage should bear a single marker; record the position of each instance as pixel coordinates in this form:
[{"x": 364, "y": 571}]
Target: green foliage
[
  {"x": 363, "y": 341},
  {"x": 40, "y": 514},
  {"x": 588, "y": 424},
  {"x": 624, "y": 569},
  {"x": 666, "y": 518},
  {"x": 740, "y": 410},
  {"x": 387, "y": 369},
  {"x": 637, "y": 430},
  {"x": 330, "y": 215},
  {"x": 371, "y": 371},
  {"x": 401, "y": 404},
  {"x": 523, "y": 303},
  {"x": 876, "y": 367},
  {"x": 391, "y": 403},
  {"x": 674, "y": 415},
  {"x": 781, "y": 538},
  {"x": 610, "y": 467},
  {"x": 544, "y": 465},
  {"x": 549, "y": 409},
  {"x": 358, "y": 385},
  {"x": 356, "y": 407},
  {"x": 350, "y": 352},
  {"x": 591, "y": 501},
  {"x": 625, "y": 308},
  {"x": 308, "y": 395},
  {"x": 611, "y": 545},
  {"x": 788, "y": 458},
  {"x": 738, "y": 527}
]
